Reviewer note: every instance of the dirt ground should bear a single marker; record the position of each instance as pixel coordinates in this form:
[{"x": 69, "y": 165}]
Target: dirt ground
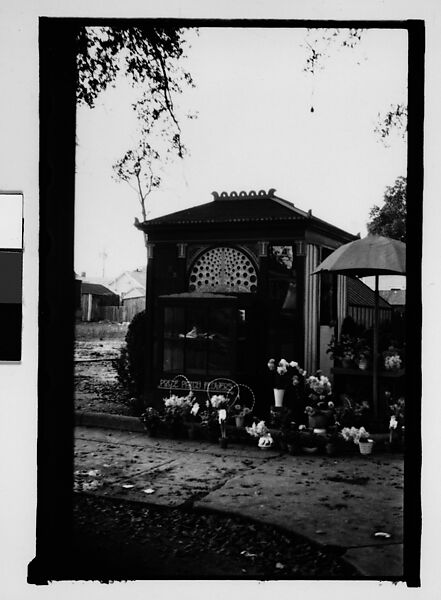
[{"x": 96, "y": 385}]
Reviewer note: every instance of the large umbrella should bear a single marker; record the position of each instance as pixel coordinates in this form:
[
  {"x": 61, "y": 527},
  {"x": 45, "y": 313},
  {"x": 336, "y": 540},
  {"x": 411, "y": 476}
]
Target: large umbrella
[{"x": 372, "y": 255}]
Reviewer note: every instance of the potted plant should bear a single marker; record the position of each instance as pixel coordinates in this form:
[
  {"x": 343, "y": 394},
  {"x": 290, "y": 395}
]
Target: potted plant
[
  {"x": 343, "y": 350},
  {"x": 193, "y": 420},
  {"x": 210, "y": 416},
  {"x": 222, "y": 417},
  {"x": 282, "y": 375},
  {"x": 358, "y": 436},
  {"x": 363, "y": 355},
  {"x": 259, "y": 430},
  {"x": 176, "y": 410},
  {"x": 151, "y": 420},
  {"x": 320, "y": 408},
  {"x": 396, "y": 424},
  {"x": 239, "y": 414}
]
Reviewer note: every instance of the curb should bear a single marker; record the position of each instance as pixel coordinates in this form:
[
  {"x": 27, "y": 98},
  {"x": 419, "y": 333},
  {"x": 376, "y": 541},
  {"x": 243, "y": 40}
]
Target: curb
[{"x": 108, "y": 421}]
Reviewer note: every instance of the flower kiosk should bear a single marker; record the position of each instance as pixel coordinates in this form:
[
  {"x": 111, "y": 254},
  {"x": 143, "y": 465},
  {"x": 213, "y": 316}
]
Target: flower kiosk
[{"x": 228, "y": 284}]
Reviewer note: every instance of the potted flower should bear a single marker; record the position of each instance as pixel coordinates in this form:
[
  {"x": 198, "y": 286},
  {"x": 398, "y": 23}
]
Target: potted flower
[
  {"x": 210, "y": 416},
  {"x": 282, "y": 374},
  {"x": 392, "y": 359},
  {"x": 222, "y": 417},
  {"x": 358, "y": 436},
  {"x": 363, "y": 354},
  {"x": 176, "y": 410},
  {"x": 193, "y": 419},
  {"x": 343, "y": 350},
  {"x": 320, "y": 408},
  {"x": 151, "y": 420},
  {"x": 239, "y": 415},
  {"x": 260, "y": 431},
  {"x": 396, "y": 424}
]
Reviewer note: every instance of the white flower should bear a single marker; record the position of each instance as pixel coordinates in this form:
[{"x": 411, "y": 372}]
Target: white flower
[
  {"x": 283, "y": 363},
  {"x": 281, "y": 369},
  {"x": 222, "y": 415},
  {"x": 330, "y": 404},
  {"x": 195, "y": 409},
  {"x": 293, "y": 364},
  {"x": 393, "y": 424}
]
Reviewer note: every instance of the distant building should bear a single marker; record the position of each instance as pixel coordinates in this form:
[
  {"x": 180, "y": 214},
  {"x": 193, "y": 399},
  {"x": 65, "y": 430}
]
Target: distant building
[
  {"x": 95, "y": 297},
  {"x": 129, "y": 284},
  {"x": 396, "y": 298}
]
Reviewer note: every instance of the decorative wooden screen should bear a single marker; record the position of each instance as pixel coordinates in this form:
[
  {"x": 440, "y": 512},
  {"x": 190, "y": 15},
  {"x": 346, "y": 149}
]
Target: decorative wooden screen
[{"x": 223, "y": 269}]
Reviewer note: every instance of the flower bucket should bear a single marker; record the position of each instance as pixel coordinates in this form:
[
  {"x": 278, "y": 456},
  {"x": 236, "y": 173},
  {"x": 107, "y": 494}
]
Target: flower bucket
[
  {"x": 240, "y": 421},
  {"x": 223, "y": 443},
  {"x": 366, "y": 447},
  {"x": 278, "y": 397}
]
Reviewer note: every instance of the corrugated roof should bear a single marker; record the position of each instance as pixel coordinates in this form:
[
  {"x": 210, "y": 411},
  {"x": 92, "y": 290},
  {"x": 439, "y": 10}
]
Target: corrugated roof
[
  {"x": 359, "y": 294},
  {"x": 96, "y": 289},
  {"x": 238, "y": 208},
  {"x": 394, "y": 297}
]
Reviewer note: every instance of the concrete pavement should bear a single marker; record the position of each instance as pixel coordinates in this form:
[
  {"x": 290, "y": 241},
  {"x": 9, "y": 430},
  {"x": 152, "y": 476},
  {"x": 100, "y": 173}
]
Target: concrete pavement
[{"x": 337, "y": 501}]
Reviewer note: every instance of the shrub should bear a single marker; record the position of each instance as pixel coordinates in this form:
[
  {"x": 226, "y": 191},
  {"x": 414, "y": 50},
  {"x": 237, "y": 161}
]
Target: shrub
[{"x": 131, "y": 363}]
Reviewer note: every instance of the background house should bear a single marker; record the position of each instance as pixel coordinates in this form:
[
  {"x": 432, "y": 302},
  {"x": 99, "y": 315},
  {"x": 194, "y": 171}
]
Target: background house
[
  {"x": 396, "y": 298},
  {"x": 98, "y": 302},
  {"x": 130, "y": 286},
  {"x": 129, "y": 283}
]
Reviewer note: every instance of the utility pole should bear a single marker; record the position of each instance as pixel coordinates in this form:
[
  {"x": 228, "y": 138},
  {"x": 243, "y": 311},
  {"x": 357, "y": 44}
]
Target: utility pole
[{"x": 104, "y": 256}]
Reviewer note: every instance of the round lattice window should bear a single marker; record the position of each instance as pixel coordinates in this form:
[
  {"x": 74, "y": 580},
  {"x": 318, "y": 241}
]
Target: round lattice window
[{"x": 223, "y": 270}]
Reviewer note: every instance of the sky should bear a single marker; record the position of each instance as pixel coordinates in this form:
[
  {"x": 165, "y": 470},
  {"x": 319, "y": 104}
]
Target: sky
[{"x": 255, "y": 130}]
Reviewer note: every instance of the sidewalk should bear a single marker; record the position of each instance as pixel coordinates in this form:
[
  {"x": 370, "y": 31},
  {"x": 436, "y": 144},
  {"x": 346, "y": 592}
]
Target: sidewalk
[{"x": 337, "y": 501}]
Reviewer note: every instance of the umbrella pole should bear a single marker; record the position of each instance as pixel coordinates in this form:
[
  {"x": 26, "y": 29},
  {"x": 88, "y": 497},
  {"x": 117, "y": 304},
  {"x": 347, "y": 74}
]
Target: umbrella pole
[{"x": 375, "y": 352}]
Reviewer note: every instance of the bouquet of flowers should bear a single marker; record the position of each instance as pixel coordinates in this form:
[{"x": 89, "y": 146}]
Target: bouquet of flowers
[
  {"x": 218, "y": 402},
  {"x": 284, "y": 372},
  {"x": 260, "y": 430},
  {"x": 355, "y": 435},
  {"x": 257, "y": 429},
  {"x": 177, "y": 408},
  {"x": 318, "y": 390}
]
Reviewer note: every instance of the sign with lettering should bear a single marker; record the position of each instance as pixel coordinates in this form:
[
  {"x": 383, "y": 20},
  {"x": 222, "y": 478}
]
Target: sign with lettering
[{"x": 221, "y": 386}]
